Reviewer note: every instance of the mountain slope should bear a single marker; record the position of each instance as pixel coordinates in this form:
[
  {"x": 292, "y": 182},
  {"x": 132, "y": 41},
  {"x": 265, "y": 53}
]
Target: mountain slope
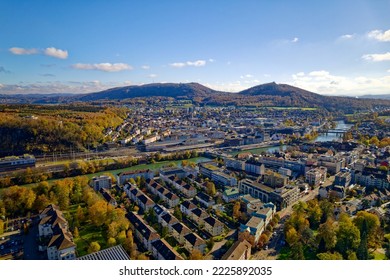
[{"x": 189, "y": 90}]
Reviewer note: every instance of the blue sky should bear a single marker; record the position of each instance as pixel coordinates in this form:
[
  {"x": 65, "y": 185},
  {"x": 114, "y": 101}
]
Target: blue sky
[{"x": 329, "y": 47}]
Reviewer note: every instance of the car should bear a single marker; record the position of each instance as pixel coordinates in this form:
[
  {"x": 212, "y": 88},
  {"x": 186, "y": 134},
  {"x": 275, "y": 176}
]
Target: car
[{"x": 266, "y": 247}]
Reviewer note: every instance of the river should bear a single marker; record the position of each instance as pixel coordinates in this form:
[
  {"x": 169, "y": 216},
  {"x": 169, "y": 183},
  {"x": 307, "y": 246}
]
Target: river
[{"x": 324, "y": 137}]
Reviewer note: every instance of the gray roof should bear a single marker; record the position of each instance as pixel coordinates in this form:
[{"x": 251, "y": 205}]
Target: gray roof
[{"x": 114, "y": 253}]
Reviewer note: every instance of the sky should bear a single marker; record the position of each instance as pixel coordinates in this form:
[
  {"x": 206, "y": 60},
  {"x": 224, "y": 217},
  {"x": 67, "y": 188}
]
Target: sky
[{"x": 329, "y": 47}]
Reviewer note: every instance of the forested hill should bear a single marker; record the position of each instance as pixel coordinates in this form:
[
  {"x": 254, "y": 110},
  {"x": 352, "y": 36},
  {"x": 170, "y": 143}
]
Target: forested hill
[{"x": 270, "y": 94}]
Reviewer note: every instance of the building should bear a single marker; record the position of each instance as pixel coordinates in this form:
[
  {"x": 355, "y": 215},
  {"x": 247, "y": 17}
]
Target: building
[
  {"x": 343, "y": 178},
  {"x": 108, "y": 197},
  {"x": 175, "y": 171},
  {"x": 255, "y": 226},
  {"x": 316, "y": 176},
  {"x": 115, "y": 253},
  {"x": 179, "y": 230},
  {"x": 240, "y": 250},
  {"x": 198, "y": 216},
  {"x": 194, "y": 242},
  {"x": 205, "y": 199},
  {"x": 207, "y": 169},
  {"x": 53, "y": 225},
  {"x": 169, "y": 198},
  {"x": 124, "y": 177},
  {"x": 141, "y": 199},
  {"x": 224, "y": 179},
  {"x": 101, "y": 182},
  {"x": 230, "y": 194},
  {"x": 274, "y": 180},
  {"x": 14, "y": 162},
  {"x": 61, "y": 245},
  {"x": 213, "y": 226},
  {"x": 186, "y": 207},
  {"x": 281, "y": 197},
  {"x": 143, "y": 232},
  {"x": 234, "y": 164},
  {"x": 254, "y": 167},
  {"x": 161, "y": 250}
]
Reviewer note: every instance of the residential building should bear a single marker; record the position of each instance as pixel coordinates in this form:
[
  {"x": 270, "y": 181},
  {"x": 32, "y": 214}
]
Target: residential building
[
  {"x": 231, "y": 194},
  {"x": 240, "y": 250},
  {"x": 115, "y": 253},
  {"x": 213, "y": 226},
  {"x": 101, "y": 182},
  {"x": 316, "y": 176},
  {"x": 124, "y": 177},
  {"x": 161, "y": 250},
  {"x": 179, "y": 230},
  {"x": 255, "y": 226},
  {"x": 343, "y": 178},
  {"x": 186, "y": 207},
  {"x": 143, "y": 232},
  {"x": 224, "y": 179},
  {"x": 205, "y": 199},
  {"x": 194, "y": 242}
]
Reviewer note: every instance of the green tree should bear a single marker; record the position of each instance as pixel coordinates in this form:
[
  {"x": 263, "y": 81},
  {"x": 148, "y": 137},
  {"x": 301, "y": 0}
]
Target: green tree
[
  {"x": 1, "y": 227},
  {"x": 348, "y": 235},
  {"x": 362, "y": 251},
  {"x": 297, "y": 251},
  {"x": 76, "y": 232},
  {"x": 373, "y": 230},
  {"x": 330, "y": 256}
]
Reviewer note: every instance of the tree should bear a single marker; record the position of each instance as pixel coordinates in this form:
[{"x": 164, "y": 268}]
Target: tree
[
  {"x": 210, "y": 188},
  {"x": 348, "y": 235},
  {"x": 93, "y": 247},
  {"x": 196, "y": 255},
  {"x": 80, "y": 216},
  {"x": 236, "y": 209},
  {"x": 327, "y": 233},
  {"x": 177, "y": 213},
  {"x": 1, "y": 227},
  {"x": 164, "y": 232},
  {"x": 362, "y": 251},
  {"x": 76, "y": 232},
  {"x": 292, "y": 236},
  {"x": 297, "y": 251},
  {"x": 314, "y": 213},
  {"x": 373, "y": 230},
  {"x": 330, "y": 256},
  {"x": 98, "y": 212},
  {"x": 111, "y": 242}
]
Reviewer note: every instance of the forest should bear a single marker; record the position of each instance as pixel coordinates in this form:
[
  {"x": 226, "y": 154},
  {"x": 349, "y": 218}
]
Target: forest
[{"x": 41, "y": 129}]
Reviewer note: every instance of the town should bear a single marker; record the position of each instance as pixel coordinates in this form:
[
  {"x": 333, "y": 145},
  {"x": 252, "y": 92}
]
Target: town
[{"x": 175, "y": 181}]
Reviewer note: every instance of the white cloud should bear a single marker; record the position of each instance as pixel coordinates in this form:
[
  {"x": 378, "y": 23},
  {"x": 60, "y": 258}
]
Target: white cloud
[
  {"x": 295, "y": 40},
  {"x": 152, "y": 76},
  {"x": 347, "y": 36},
  {"x": 60, "y": 87},
  {"x": 324, "y": 82},
  {"x": 145, "y": 67},
  {"x": 388, "y": 71},
  {"x": 211, "y": 60},
  {"x": 377, "y": 57},
  {"x": 247, "y": 76},
  {"x": 23, "y": 51},
  {"x": 379, "y": 35},
  {"x": 56, "y": 53},
  {"x": 48, "y": 51},
  {"x": 197, "y": 63},
  {"x": 106, "y": 67}
]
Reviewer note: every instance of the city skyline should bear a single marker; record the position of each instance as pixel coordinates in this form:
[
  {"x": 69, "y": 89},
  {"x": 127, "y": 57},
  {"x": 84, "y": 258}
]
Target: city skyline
[{"x": 333, "y": 47}]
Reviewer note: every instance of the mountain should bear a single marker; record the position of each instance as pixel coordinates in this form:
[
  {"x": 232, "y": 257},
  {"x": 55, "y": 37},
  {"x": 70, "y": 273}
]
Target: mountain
[
  {"x": 376, "y": 96},
  {"x": 270, "y": 94},
  {"x": 188, "y": 90}
]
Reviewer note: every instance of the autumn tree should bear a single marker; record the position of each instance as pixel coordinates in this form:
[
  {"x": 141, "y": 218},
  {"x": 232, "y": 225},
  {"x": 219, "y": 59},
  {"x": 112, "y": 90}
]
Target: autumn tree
[
  {"x": 372, "y": 228},
  {"x": 98, "y": 213},
  {"x": 196, "y": 255},
  {"x": 330, "y": 256},
  {"x": 236, "y": 209},
  {"x": 210, "y": 188},
  {"x": 93, "y": 247},
  {"x": 327, "y": 233},
  {"x": 111, "y": 242},
  {"x": 1, "y": 227},
  {"x": 76, "y": 232}
]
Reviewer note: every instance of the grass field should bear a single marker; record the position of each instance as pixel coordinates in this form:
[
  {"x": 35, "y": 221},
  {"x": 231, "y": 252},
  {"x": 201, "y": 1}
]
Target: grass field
[{"x": 89, "y": 233}]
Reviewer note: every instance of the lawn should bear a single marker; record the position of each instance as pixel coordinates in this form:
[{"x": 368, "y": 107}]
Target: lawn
[{"x": 89, "y": 233}]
